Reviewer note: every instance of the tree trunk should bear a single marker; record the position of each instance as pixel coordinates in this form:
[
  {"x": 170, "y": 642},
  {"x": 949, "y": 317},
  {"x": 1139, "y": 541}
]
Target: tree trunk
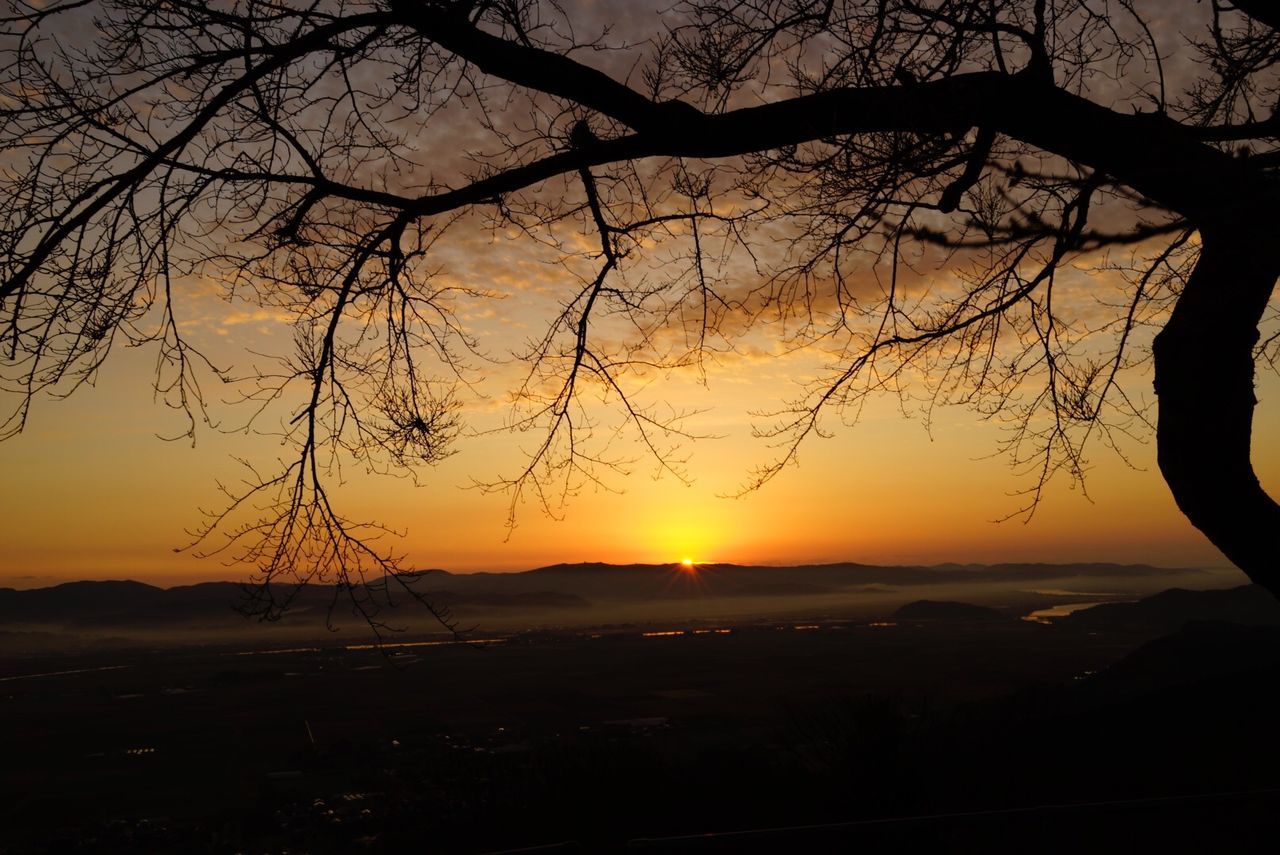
[{"x": 1204, "y": 379}]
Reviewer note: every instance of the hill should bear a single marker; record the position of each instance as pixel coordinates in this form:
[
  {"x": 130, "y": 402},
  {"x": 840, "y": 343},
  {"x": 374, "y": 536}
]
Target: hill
[
  {"x": 1170, "y": 610},
  {"x": 648, "y": 590}
]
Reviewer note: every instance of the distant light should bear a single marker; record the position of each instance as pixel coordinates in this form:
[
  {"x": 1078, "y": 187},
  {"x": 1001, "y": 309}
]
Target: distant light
[{"x": 687, "y": 562}]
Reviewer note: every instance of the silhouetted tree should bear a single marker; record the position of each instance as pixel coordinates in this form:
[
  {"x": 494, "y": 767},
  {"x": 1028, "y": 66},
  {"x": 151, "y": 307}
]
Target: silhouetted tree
[{"x": 765, "y": 160}]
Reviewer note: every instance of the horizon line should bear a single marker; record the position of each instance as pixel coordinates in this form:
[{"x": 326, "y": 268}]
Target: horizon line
[{"x": 44, "y": 581}]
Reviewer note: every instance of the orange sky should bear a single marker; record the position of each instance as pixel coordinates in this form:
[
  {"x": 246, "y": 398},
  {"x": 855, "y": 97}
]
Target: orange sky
[{"x": 91, "y": 492}]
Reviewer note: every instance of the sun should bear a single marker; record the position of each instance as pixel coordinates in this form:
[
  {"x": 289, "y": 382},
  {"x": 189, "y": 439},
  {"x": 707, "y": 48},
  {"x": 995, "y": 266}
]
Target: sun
[{"x": 686, "y": 563}]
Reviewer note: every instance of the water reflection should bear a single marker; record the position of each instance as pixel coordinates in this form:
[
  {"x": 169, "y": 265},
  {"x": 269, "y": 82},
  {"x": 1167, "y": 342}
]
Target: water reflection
[{"x": 1061, "y": 610}]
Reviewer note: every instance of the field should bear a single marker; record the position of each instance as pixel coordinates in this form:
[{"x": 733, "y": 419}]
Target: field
[{"x": 600, "y": 736}]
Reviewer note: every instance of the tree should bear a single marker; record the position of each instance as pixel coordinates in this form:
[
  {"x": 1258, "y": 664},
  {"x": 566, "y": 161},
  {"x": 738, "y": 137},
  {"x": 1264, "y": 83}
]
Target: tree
[{"x": 297, "y": 156}]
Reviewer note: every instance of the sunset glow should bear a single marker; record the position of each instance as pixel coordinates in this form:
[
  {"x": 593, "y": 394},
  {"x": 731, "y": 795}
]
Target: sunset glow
[
  {"x": 855, "y": 497},
  {"x": 601, "y": 425},
  {"x": 92, "y": 493}
]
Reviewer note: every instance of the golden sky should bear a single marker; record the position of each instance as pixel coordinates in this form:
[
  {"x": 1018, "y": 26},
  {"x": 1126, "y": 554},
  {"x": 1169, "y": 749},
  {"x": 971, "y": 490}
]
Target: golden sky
[{"x": 90, "y": 491}]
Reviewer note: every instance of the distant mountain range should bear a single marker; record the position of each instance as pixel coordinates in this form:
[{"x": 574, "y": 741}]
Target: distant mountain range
[
  {"x": 630, "y": 582},
  {"x": 558, "y": 587}
]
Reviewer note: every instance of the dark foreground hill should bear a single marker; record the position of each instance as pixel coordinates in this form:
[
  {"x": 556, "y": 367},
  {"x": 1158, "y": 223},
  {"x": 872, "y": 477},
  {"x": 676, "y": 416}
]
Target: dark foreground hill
[
  {"x": 1199, "y": 651},
  {"x": 1169, "y": 610},
  {"x": 907, "y": 735}
]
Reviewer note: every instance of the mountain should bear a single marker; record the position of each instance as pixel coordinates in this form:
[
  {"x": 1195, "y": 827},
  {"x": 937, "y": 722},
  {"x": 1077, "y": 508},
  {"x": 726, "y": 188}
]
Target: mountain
[
  {"x": 88, "y": 605},
  {"x": 76, "y": 599},
  {"x": 1200, "y": 650},
  {"x": 605, "y": 582},
  {"x": 1170, "y": 610},
  {"x": 555, "y": 587}
]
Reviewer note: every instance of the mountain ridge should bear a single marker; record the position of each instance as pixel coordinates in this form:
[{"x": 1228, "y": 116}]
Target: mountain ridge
[{"x": 569, "y": 586}]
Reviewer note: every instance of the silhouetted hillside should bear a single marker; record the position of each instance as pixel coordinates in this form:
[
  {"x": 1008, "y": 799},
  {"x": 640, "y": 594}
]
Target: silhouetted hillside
[
  {"x": 599, "y": 581},
  {"x": 89, "y": 605},
  {"x": 556, "y": 587},
  {"x": 73, "y": 600},
  {"x": 1198, "y": 651},
  {"x": 1169, "y": 610}
]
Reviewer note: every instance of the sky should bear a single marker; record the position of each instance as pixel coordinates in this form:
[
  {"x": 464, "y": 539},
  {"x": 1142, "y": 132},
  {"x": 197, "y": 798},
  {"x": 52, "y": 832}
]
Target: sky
[{"x": 91, "y": 490}]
